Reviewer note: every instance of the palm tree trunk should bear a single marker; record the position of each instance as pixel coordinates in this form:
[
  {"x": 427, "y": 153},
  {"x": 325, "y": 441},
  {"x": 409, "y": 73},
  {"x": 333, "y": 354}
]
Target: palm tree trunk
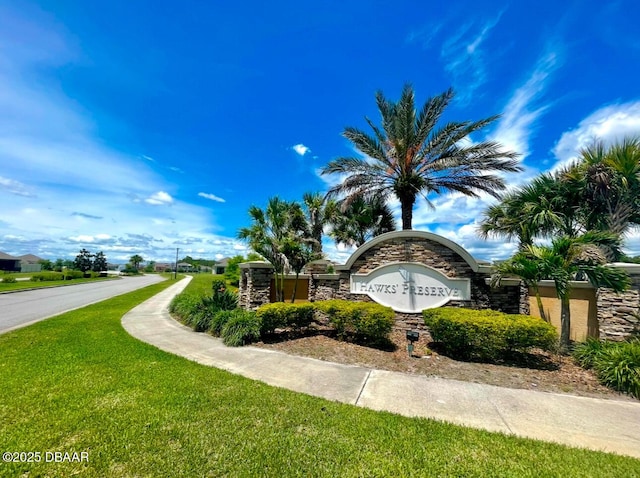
[
  {"x": 543, "y": 316},
  {"x": 565, "y": 323},
  {"x": 295, "y": 289},
  {"x": 406, "y": 202}
]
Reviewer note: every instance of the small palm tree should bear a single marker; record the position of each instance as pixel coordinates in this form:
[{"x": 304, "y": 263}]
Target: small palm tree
[
  {"x": 609, "y": 181},
  {"x": 570, "y": 257},
  {"x": 135, "y": 261},
  {"x": 279, "y": 234},
  {"x": 410, "y": 155},
  {"x": 526, "y": 268},
  {"x": 538, "y": 209},
  {"x": 319, "y": 212},
  {"x": 360, "y": 220}
]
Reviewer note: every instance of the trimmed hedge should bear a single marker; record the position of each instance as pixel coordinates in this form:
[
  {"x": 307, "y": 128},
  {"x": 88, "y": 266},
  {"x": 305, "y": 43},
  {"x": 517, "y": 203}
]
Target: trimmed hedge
[
  {"x": 487, "y": 334},
  {"x": 365, "y": 320},
  {"x": 8, "y": 280},
  {"x": 281, "y": 315},
  {"x": 617, "y": 364}
]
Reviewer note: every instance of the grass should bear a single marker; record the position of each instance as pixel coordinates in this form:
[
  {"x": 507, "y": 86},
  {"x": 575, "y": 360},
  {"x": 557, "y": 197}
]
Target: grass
[
  {"x": 21, "y": 285},
  {"x": 78, "y": 382}
]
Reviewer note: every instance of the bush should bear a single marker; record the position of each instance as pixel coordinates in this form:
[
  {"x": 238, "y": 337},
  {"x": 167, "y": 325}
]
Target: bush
[
  {"x": 223, "y": 298},
  {"x": 9, "y": 280},
  {"x": 364, "y": 320},
  {"x": 183, "y": 305},
  {"x": 69, "y": 275},
  {"x": 486, "y": 334},
  {"x": 280, "y": 315},
  {"x": 219, "y": 319},
  {"x": 617, "y": 364},
  {"x": 241, "y": 329},
  {"x": 47, "y": 276}
]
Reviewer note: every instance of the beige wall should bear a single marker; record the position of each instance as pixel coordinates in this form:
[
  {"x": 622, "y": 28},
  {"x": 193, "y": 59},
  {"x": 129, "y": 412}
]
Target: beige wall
[
  {"x": 302, "y": 292},
  {"x": 584, "y": 319}
]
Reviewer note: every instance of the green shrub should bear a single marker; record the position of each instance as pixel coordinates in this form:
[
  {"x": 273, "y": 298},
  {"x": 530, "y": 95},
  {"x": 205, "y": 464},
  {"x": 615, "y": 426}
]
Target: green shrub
[
  {"x": 586, "y": 353},
  {"x": 183, "y": 305},
  {"x": 219, "y": 319},
  {"x": 617, "y": 364},
  {"x": 74, "y": 275},
  {"x": 619, "y": 367},
  {"x": 241, "y": 329},
  {"x": 223, "y": 298},
  {"x": 486, "y": 334},
  {"x": 47, "y": 276},
  {"x": 9, "y": 280},
  {"x": 281, "y": 315},
  {"x": 363, "y": 320}
]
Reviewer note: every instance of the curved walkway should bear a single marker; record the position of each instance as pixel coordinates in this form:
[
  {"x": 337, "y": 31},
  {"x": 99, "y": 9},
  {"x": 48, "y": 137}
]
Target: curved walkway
[{"x": 598, "y": 424}]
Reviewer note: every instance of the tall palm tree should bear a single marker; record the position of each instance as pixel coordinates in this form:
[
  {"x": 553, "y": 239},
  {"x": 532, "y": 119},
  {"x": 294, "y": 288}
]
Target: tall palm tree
[
  {"x": 410, "y": 155},
  {"x": 569, "y": 257},
  {"x": 360, "y": 220}
]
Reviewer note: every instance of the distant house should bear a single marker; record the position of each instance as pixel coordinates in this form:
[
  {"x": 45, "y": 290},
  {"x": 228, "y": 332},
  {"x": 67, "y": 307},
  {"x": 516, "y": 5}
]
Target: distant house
[
  {"x": 162, "y": 266},
  {"x": 185, "y": 267},
  {"x": 30, "y": 263},
  {"x": 220, "y": 266},
  {"x": 9, "y": 263}
]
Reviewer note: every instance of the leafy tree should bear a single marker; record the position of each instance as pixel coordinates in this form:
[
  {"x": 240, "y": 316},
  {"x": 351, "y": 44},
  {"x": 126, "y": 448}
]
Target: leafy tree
[
  {"x": 150, "y": 267},
  {"x": 99, "y": 262},
  {"x": 135, "y": 261},
  {"x": 360, "y": 220},
  {"x": 46, "y": 265},
  {"x": 83, "y": 261},
  {"x": 410, "y": 155},
  {"x": 232, "y": 271}
]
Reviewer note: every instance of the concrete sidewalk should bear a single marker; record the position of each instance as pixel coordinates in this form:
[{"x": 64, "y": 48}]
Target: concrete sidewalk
[{"x": 598, "y": 424}]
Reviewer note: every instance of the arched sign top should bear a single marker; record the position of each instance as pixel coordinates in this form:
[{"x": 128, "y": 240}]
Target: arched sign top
[{"x": 410, "y": 234}]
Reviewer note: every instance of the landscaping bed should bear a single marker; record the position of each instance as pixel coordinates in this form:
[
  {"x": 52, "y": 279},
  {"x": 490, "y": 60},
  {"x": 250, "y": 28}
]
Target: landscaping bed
[{"x": 537, "y": 370}]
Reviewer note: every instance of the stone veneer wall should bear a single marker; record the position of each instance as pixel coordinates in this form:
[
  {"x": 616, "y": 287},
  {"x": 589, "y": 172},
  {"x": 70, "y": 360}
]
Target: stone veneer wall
[
  {"x": 402, "y": 246},
  {"x": 255, "y": 284},
  {"x": 618, "y": 314},
  {"x": 512, "y": 298}
]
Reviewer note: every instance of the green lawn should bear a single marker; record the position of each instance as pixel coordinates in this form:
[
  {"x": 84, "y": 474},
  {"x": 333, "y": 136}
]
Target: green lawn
[
  {"x": 21, "y": 285},
  {"x": 78, "y": 382}
]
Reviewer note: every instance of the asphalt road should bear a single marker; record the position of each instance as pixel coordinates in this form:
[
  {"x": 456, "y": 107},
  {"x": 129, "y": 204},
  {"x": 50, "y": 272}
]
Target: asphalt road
[{"x": 19, "y": 309}]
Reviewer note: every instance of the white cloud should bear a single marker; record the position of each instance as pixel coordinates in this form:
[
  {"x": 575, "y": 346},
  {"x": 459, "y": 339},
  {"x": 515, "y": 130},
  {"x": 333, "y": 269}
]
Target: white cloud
[
  {"x": 213, "y": 197},
  {"x": 609, "y": 124},
  {"x": 14, "y": 187},
  {"x": 160, "y": 198},
  {"x": 301, "y": 149},
  {"x": 514, "y": 128}
]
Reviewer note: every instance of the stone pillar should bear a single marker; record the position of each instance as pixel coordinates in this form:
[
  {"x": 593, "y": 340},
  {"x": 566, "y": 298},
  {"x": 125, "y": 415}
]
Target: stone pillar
[
  {"x": 255, "y": 284},
  {"x": 618, "y": 314}
]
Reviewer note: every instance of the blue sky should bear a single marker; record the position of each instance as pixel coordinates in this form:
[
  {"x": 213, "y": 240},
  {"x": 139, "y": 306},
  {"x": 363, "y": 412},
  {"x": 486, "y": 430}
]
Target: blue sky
[{"x": 140, "y": 127}]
